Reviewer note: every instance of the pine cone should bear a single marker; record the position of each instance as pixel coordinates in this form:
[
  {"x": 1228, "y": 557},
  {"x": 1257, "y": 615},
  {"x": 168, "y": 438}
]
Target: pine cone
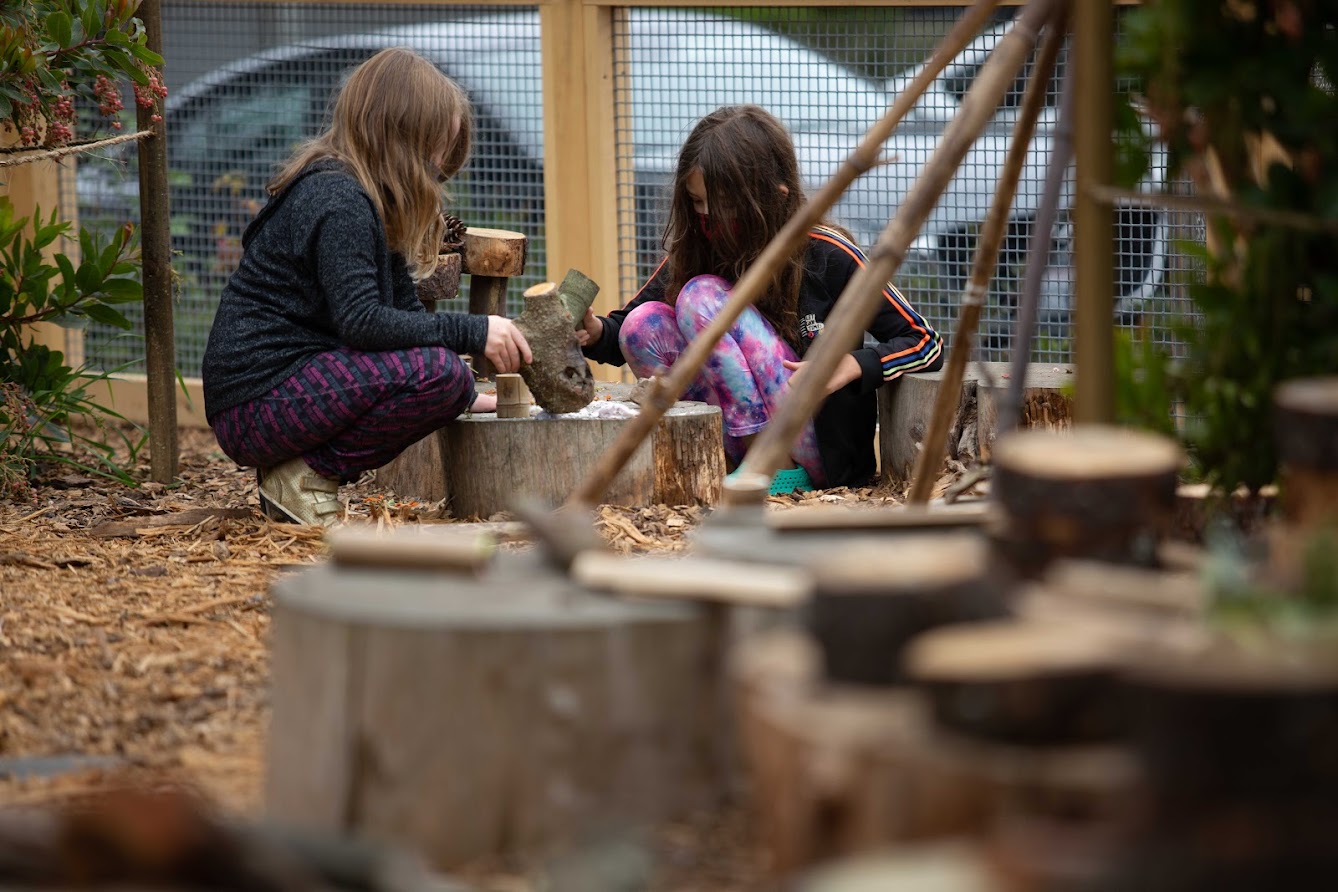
[{"x": 454, "y": 238}]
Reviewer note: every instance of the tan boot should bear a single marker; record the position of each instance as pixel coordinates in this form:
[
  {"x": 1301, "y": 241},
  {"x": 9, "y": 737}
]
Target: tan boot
[{"x": 294, "y": 493}]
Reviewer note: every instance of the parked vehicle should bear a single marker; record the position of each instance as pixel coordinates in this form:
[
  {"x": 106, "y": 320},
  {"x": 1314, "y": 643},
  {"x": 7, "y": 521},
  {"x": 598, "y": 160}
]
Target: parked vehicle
[{"x": 229, "y": 129}]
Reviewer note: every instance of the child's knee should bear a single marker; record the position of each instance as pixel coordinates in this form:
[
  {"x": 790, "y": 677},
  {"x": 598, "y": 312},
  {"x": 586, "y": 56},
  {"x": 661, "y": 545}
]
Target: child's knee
[{"x": 700, "y": 301}]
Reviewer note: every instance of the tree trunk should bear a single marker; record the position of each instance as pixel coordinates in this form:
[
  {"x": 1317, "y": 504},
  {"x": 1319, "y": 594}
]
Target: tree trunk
[
  {"x": 837, "y": 770},
  {"x": 470, "y": 716}
]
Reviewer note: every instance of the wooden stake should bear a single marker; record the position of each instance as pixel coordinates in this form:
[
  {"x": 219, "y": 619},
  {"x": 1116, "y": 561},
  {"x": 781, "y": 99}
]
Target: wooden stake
[
  {"x": 930, "y": 461},
  {"x": 860, "y": 300},
  {"x": 668, "y": 389}
]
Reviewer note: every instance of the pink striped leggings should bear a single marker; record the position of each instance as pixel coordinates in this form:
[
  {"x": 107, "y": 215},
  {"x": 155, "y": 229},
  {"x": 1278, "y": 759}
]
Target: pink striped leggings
[{"x": 347, "y": 411}]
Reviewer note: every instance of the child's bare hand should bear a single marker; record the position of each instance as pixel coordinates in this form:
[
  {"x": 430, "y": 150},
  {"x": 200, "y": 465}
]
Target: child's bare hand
[
  {"x": 591, "y": 329},
  {"x": 507, "y": 348},
  {"x": 484, "y": 402},
  {"x": 847, "y": 370}
]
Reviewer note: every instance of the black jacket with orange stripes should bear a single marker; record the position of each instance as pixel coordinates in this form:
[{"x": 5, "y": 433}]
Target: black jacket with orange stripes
[{"x": 903, "y": 341}]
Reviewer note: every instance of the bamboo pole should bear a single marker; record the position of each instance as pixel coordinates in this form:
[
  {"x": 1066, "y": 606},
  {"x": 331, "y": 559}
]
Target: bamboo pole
[
  {"x": 1024, "y": 331},
  {"x": 992, "y": 235},
  {"x": 1093, "y": 222},
  {"x": 666, "y": 390},
  {"x": 156, "y": 252},
  {"x": 859, "y": 302}
]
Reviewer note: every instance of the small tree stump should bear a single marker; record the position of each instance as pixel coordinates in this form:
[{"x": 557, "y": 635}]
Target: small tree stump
[
  {"x": 1099, "y": 492},
  {"x": 1027, "y": 683},
  {"x": 443, "y": 284},
  {"x": 1045, "y": 406},
  {"x": 837, "y": 770},
  {"x": 1307, "y": 435},
  {"x": 469, "y": 717},
  {"x": 873, "y": 597}
]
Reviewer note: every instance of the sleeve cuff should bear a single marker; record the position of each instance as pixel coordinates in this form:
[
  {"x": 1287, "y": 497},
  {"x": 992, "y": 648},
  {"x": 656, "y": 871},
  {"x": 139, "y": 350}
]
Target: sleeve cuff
[{"x": 871, "y": 369}]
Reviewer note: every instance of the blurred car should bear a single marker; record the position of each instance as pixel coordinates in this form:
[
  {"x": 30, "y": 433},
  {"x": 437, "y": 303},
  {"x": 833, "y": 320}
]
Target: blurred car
[{"x": 229, "y": 129}]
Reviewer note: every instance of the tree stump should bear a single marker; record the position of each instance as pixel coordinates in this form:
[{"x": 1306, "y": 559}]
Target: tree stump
[
  {"x": 1307, "y": 436},
  {"x": 481, "y": 462},
  {"x": 905, "y": 408},
  {"x": 836, "y": 769},
  {"x": 1024, "y": 683},
  {"x": 1099, "y": 492},
  {"x": 1241, "y": 786},
  {"x": 488, "y": 461},
  {"x": 873, "y": 597},
  {"x": 1045, "y": 406},
  {"x": 468, "y": 717}
]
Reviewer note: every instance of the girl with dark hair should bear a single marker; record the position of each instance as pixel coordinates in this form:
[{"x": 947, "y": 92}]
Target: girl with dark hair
[
  {"x": 736, "y": 184},
  {"x": 322, "y": 363}
]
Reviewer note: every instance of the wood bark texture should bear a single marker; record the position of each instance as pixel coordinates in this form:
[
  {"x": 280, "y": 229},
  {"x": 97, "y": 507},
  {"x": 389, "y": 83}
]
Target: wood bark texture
[
  {"x": 1045, "y": 404},
  {"x": 443, "y": 284},
  {"x": 496, "y": 253},
  {"x": 1307, "y": 436},
  {"x": 558, "y": 375},
  {"x": 471, "y": 717},
  {"x": 834, "y": 769}
]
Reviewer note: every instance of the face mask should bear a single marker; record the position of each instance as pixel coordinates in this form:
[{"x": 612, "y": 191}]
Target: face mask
[{"x": 711, "y": 231}]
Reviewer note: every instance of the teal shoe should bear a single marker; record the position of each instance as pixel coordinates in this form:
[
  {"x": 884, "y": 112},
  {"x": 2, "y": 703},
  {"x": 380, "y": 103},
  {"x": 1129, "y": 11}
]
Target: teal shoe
[{"x": 790, "y": 480}]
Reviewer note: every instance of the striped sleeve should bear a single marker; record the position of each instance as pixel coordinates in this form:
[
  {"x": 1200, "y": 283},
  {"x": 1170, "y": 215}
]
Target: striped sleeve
[{"x": 907, "y": 341}]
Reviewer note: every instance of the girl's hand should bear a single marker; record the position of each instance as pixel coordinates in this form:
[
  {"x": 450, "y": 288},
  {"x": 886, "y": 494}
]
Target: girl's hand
[
  {"x": 591, "y": 329},
  {"x": 847, "y": 370},
  {"x": 507, "y": 348},
  {"x": 484, "y": 402}
]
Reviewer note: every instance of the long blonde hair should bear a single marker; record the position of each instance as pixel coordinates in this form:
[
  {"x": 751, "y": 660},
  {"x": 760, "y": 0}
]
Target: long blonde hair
[{"x": 394, "y": 113}]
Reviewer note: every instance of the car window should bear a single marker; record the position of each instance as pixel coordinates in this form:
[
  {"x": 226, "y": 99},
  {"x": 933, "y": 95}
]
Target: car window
[{"x": 957, "y": 81}]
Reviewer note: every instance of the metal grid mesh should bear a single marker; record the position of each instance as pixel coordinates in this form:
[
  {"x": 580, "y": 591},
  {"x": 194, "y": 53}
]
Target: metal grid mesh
[
  {"x": 829, "y": 74},
  {"x": 248, "y": 81}
]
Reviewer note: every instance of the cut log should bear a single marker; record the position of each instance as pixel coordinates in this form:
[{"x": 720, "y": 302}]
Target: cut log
[
  {"x": 875, "y": 596},
  {"x": 838, "y": 770},
  {"x": 904, "y": 409},
  {"x": 1098, "y": 492},
  {"x": 494, "y": 253},
  {"x": 1025, "y": 683},
  {"x": 927, "y": 867},
  {"x": 1306, "y": 413},
  {"x": 558, "y": 375},
  {"x": 578, "y": 292},
  {"x": 443, "y": 284},
  {"x": 1045, "y": 404},
  {"x": 482, "y": 462},
  {"x": 513, "y": 397},
  {"x": 473, "y": 717}
]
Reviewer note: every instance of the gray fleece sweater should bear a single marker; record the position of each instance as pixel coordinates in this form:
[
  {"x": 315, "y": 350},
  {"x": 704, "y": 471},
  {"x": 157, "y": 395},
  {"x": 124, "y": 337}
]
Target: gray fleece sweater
[{"x": 316, "y": 274}]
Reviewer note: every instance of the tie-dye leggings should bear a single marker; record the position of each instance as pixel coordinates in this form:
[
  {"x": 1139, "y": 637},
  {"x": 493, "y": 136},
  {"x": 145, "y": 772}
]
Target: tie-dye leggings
[
  {"x": 744, "y": 375},
  {"x": 347, "y": 411}
]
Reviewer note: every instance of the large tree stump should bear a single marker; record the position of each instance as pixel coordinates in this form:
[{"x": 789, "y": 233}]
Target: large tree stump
[
  {"x": 482, "y": 462},
  {"x": 1306, "y": 413},
  {"x": 838, "y": 769},
  {"x": 1098, "y": 492},
  {"x": 467, "y": 717},
  {"x": 1045, "y": 405},
  {"x": 488, "y": 461},
  {"x": 905, "y": 408},
  {"x": 874, "y": 596}
]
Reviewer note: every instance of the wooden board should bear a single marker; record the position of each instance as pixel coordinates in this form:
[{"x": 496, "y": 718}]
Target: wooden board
[{"x": 468, "y": 717}]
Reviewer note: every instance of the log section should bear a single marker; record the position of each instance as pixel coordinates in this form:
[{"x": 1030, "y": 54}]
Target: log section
[
  {"x": 1046, "y": 405},
  {"x": 1099, "y": 492},
  {"x": 469, "y": 717},
  {"x": 905, "y": 407}
]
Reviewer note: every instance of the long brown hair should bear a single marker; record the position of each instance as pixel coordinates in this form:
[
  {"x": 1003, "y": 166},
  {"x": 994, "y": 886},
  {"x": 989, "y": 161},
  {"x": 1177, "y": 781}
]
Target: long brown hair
[
  {"x": 745, "y": 156},
  {"x": 394, "y": 113}
]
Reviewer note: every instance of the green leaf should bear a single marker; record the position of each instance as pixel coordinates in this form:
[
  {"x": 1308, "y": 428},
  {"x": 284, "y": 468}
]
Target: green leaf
[
  {"x": 105, "y": 315},
  {"x": 60, "y": 27},
  {"x": 88, "y": 278},
  {"x": 146, "y": 55},
  {"x": 122, "y": 291}
]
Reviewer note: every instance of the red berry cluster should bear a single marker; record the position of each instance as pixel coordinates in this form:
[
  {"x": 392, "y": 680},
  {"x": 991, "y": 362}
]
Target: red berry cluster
[
  {"x": 108, "y": 96},
  {"x": 148, "y": 95}
]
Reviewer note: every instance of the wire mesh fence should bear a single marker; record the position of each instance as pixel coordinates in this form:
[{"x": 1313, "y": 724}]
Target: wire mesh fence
[{"x": 250, "y": 80}]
